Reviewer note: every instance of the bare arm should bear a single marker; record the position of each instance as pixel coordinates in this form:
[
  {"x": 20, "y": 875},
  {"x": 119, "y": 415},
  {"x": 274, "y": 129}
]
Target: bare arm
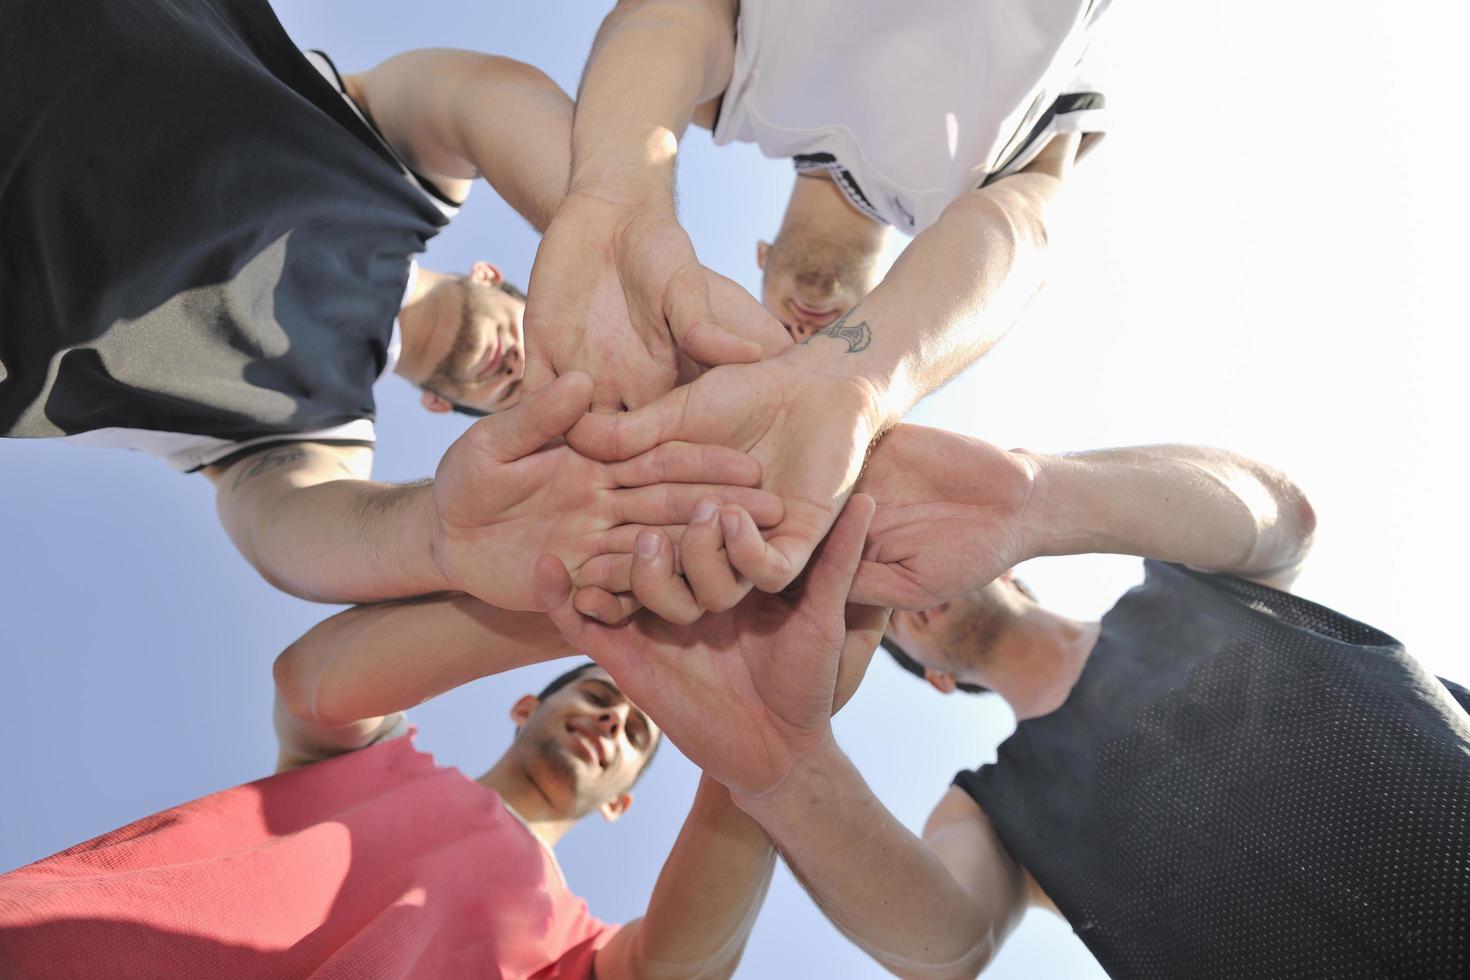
[
  {"x": 933, "y": 908},
  {"x": 312, "y": 523},
  {"x": 1215, "y": 510},
  {"x": 652, "y": 63},
  {"x": 456, "y": 115},
  {"x": 345, "y": 683},
  {"x": 955, "y": 512},
  {"x": 705, "y": 902},
  {"x": 954, "y": 292}
]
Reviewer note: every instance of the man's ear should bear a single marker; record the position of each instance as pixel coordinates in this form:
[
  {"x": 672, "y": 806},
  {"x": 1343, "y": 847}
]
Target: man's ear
[
  {"x": 524, "y": 709},
  {"x": 616, "y": 807},
  {"x": 435, "y": 403},
  {"x": 762, "y": 249},
  {"x": 486, "y": 274},
  {"x": 943, "y": 680}
]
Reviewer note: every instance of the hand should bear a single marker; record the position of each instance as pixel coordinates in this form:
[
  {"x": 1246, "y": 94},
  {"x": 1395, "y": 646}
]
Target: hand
[
  {"x": 951, "y": 517},
  {"x": 618, "y": 292},
  {"x": 809, "y": 429},
  {"x": 505, "y": 495},
  {"x": 746, "y": 693}
]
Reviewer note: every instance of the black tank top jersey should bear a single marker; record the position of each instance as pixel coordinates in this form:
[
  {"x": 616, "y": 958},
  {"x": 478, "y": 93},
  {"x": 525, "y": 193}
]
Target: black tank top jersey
[
  {"x": 1246, "y": 784},
  {"x": 197, "y": 235}
]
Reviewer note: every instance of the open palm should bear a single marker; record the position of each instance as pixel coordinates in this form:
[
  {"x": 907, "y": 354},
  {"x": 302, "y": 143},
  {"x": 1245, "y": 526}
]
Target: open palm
[
  {"x": 617, "y": 292},
  {"x": 508, "y": 491},
  {"x": 809, "y": 430},
  {"x": 951, "y": 517}
]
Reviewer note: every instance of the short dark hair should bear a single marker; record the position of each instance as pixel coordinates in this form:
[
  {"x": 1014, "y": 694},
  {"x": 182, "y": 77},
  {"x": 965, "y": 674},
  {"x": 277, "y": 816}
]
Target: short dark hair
[
  {"x": 563, "y": 679},
  {"x": 917, "y": 669}
]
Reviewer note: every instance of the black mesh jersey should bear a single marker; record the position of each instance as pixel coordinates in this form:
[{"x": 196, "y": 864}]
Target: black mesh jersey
[
  {"x": 1245, "y": 784},
  {"x": 199, "y": 234}
]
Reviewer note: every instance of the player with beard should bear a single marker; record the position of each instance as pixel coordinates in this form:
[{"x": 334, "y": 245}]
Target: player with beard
[
  {"x": 363, "y": 857},
  {"x": 227, "y": 300}
]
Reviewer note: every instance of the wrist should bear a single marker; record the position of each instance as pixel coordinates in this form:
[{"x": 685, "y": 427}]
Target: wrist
[
  {"x": 804, "y": 783},
  {"x": 636, "y": 171},
  {"x": 1055, "y": 521},
  {"x": 423, "y": 540},
  {"x": 846, "y": 387}
]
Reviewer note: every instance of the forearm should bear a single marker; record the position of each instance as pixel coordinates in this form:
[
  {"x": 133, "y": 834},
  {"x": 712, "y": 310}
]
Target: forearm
[
  {"x": 341, "y": 540},
  {"x": 371, "y": 661},
  {"x": 706, "y": 899},
  {"x": 899, "y": 903},
  {"x": 514, "y": 125},
  {"x": 652, "y": 63},
  {"x": 1203, "y": 507},
  {"x": 952, "y": 294}
]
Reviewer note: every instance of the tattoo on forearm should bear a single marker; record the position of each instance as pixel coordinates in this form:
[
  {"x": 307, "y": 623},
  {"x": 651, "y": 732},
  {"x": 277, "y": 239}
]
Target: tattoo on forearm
[
  {"x": 857, "y": 335},
  {"x": 271, "y": 459}
]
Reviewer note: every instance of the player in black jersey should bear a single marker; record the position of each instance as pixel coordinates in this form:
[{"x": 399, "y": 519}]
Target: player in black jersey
[{"x": 1219, "y": 779}]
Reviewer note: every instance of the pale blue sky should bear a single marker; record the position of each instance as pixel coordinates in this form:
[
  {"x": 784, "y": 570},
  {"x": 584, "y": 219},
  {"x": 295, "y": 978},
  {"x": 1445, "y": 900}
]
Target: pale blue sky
[{"x": 1265, "y": 255}]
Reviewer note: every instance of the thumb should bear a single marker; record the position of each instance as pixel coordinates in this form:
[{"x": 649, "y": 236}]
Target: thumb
[
  {"x": 542, "y": 416},
  {"x": 836, "y": 564},
  {"x": 612, "y": 438},
  {"x": 552, "y": 586},
  {"x": 696, "y": 329}
]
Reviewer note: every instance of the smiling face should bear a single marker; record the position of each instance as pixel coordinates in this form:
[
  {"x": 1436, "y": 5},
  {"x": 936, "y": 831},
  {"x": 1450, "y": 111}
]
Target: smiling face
[
  {"x": 584, "y": 745},
  {"x": 812, "y": 278},
  {"x": 481, "y": 367}
]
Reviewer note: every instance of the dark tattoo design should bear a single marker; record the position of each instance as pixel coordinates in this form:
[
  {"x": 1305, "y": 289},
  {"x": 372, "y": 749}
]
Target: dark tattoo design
[
  {"x": 271, "y": 459},
  {"x": 858, "y": 336}
]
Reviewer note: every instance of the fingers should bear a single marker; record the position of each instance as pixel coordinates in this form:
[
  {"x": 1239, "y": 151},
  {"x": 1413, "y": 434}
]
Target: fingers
[
  {"x": 621, "y": 437},
  {"x": 697, "y": 330},
  {"x": 880, "y": 584},
  {"x": 837, "y": 560},
  {"x": 763, "y": 562},
  {"x": 656, "y": 585},
  {"x": 603, "y": 606},
  {"x": 674, "y": 503},
  {"x": 714, "y": 583},
  {"x": 540, "y": 417},
  {"x": 686, "y": 462}
]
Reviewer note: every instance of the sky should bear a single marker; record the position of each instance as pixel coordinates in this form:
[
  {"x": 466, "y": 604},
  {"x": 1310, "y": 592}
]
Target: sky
[{"x": 1264, "y": 255}]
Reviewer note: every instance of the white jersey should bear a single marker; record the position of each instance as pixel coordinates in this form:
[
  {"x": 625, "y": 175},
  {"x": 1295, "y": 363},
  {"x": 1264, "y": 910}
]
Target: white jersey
[{"x": 909, "y": 104}]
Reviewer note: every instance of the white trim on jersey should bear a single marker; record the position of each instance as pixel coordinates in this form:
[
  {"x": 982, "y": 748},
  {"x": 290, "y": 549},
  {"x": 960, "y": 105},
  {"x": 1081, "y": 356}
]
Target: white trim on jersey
[
  {"x": 327, "y": 70},
  {"x": 919, "y": 102},
  {"x": 187, "y": 452}
]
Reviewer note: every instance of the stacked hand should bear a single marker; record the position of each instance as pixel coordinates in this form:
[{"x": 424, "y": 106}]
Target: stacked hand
[
  {"x": 745, "y": 693},
  {"x": 618, "y": 292},
  {"x": 809, "y": 430},
  {"x": 509, "y": 491},
  {"x": 951, "y": 517}
]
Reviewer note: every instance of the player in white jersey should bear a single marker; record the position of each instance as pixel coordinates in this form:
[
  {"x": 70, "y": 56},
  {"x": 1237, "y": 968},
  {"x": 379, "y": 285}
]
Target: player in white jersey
[{"x": 953, "y": 120}]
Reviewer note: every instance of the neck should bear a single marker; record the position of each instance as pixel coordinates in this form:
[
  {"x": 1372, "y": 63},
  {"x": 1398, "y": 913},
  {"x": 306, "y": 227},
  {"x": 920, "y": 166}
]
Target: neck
[
  {"x": 1036, "y": 663},
  {"x": 518, "y": 789},
  {"x": 421, "y": 318},
  {"x": 817, "y": 202}
]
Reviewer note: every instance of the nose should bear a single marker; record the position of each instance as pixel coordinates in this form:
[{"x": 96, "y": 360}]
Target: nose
[
  {"x": 801, "y": 330},
  {"x": 610, "y": 722},
  {"x": 512, "y": 361}
]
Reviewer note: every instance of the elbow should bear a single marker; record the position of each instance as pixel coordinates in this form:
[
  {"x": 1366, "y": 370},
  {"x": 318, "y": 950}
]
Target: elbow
[
  {"x": 1284, "y": 532},
  {"x": 967, "y": 969},
  {"x": 293, "y": 684}
]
